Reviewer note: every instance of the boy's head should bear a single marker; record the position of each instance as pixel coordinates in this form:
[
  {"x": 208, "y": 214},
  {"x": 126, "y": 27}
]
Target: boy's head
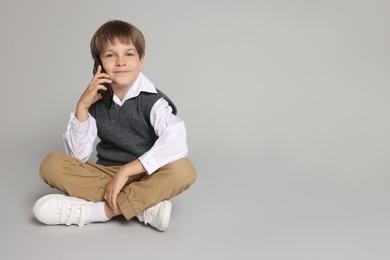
[{"x": 117, "y": 31}]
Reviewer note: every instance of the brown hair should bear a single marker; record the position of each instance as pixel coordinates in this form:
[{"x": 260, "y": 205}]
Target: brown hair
[{"x": 120, "y": 31}]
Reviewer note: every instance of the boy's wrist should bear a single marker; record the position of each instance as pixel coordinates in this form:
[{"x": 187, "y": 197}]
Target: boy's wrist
[
  {"x": 133, "y": 168},
  {"x": 81, "y": 113}
]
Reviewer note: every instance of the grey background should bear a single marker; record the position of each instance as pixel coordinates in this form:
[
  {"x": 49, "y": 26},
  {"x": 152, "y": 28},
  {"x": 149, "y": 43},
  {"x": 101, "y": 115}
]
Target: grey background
[{"x": 286, "y": 106}]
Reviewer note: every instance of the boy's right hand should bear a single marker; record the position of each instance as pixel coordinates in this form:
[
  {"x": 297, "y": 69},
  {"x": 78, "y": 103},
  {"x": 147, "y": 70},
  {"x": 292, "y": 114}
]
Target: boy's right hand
[{"x": 91, "y": 94}]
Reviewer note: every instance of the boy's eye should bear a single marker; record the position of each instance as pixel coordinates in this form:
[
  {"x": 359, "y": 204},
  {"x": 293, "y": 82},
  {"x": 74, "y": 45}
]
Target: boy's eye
[
  {"x": 130, "y": 54},
  {"x": 109, "y": 55}
]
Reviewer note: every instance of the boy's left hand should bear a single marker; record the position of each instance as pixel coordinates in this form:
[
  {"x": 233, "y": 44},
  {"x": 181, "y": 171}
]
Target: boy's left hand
[
  {"x": 118, "y": 182},
  {"x": 114, "y": 187}
]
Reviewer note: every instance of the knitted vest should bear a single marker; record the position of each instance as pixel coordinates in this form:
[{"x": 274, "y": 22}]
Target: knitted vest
[{"x": 125, "y": 131}]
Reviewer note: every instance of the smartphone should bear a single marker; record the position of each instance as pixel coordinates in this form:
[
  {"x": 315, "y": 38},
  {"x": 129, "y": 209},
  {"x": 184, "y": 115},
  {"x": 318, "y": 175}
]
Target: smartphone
[{"x": 108, "y": 94}]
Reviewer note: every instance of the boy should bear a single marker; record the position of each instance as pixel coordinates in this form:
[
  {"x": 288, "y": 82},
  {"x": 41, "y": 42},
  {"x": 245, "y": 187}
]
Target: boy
[{"x": 142, "y": 150}]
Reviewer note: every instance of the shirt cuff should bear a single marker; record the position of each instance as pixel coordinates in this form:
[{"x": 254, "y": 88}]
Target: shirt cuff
[
  {"x": 79, "y": 127},
  {"x": 149, "y": 163}
]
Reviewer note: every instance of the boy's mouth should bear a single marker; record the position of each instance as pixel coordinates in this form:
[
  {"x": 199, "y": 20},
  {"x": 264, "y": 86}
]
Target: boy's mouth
[{"x": 121, "y": 71}]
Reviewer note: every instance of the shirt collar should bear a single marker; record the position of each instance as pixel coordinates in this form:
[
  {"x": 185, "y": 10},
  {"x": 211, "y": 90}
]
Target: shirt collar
[{"x": 141, "y": 84}]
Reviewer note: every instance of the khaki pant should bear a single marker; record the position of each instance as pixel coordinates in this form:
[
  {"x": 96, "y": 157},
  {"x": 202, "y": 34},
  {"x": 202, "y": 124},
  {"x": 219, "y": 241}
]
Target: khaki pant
[{"x": 89, "y": 180}]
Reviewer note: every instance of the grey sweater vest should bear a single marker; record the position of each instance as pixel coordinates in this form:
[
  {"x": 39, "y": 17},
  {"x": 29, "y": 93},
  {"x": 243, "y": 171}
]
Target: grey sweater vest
[{"x": 125, "y": 131}]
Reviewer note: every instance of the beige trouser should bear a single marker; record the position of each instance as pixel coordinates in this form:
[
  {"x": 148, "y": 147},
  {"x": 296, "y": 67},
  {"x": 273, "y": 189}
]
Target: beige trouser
[{"x": 89, "y": 180}]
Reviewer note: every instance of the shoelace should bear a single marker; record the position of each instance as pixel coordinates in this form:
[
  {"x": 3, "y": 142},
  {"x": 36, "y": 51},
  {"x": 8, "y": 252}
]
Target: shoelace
[{"x": 72, "y": 211}]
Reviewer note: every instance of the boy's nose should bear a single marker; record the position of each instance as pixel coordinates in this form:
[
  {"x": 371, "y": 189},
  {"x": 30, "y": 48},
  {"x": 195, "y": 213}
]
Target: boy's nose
[{"x": 121, "y": 62}]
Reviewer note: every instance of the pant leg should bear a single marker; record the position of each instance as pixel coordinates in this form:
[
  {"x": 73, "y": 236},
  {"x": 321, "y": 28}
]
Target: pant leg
[
  {"x": 165, "y": 183},
  {"x": 77, "y": 179},
  {"x": 88, "y": 181}
]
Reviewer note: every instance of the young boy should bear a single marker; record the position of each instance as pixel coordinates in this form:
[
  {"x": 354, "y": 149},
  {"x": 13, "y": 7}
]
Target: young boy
[{"x": 142, "y": 150}]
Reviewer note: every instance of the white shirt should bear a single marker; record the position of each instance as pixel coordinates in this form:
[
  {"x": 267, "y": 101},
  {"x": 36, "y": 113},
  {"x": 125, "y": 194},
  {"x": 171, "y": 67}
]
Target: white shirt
[{"x": 171, "y": 144}]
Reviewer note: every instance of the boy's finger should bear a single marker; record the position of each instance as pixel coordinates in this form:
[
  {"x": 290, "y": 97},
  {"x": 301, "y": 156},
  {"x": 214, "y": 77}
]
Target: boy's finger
[
  {"x": 113, "y": 201},
  {"x": 98, "y": 71}
]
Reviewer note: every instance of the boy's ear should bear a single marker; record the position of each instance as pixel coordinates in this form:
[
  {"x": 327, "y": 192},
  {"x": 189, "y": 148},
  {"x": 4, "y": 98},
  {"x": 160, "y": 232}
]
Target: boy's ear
[{"x": 142, "y": 63}]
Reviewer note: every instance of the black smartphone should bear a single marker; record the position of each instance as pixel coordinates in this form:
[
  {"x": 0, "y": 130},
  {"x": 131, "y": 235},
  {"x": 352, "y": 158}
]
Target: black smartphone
[{"x": 108, "y": 94}]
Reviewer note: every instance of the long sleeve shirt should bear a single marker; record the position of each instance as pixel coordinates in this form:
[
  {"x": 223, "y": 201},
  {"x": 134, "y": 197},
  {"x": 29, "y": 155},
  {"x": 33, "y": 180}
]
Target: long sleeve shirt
[{"x": 171, "y": 144}]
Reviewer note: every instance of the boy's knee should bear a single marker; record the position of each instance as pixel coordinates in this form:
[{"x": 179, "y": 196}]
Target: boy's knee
[
  {"x": 50, "y": 165},
  {"x": 186, "y": 172},
  {"x": 191, "y": 171}
]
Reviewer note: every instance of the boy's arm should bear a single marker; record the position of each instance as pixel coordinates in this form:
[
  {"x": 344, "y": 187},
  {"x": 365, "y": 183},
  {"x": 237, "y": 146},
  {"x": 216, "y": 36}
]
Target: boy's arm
[
  {"x": 81, "y": 130},
  {"x": 172, "y": 142},
  {"x": 80, "y": 137}
]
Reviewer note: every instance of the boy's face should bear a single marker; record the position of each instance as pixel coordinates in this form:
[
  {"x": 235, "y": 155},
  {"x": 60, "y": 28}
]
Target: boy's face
[{"x": 122, "y": 63}]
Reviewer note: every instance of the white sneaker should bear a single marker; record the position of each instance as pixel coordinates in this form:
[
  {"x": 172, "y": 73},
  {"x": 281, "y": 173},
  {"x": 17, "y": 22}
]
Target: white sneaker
[
  {"x": 157, "y": 216},
  {"x": 58, "y": 209}
]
